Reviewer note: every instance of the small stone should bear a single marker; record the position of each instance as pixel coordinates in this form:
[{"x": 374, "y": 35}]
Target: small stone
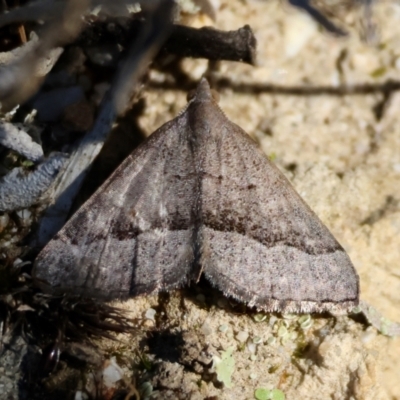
[
  {"x": 205, "y": 329},
  {"x": 368, "y": 336},
  {"x": 150, "y": 314},
  {"x": 251, "y": 347},
  {"x": 148, "y": 323},
  {"x": 298, "y": 30},
  {"x": 112, "y": 373},
  {"x": 242, "y": 336}
]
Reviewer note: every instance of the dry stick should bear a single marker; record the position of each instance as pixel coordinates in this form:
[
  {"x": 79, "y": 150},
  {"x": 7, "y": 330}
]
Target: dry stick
[
  {"x": 386, "y": 88},
  {"x": 19, "y": 190},
  {"x": 153, "y": 34},
  {"x": 44, "y": 10},
  {"x": 68, "y": 185},
  {"x": 19, "y": 81},
  {"x": 213, "y": 44},
  {"x": 209, "y": 43},
  {"x": 15, "y": 138}
]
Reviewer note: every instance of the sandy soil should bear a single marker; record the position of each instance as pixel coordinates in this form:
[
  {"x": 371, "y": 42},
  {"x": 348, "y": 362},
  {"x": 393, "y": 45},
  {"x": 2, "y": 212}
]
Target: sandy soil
[
  {"x": 343, "y": 157},
  {"x": 325, "y": 109}
]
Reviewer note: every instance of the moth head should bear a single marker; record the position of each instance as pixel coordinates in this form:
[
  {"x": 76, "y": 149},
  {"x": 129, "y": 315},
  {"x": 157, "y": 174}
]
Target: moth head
[{"x": 203, "y": 92}]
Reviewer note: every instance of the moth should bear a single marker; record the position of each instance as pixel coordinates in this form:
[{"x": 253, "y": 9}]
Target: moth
[{"x": 199, "y": 197}]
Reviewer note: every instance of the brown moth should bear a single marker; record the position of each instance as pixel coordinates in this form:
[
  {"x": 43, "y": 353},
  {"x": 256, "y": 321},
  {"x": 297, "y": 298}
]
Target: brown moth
[{"x": 199, "y": 197}]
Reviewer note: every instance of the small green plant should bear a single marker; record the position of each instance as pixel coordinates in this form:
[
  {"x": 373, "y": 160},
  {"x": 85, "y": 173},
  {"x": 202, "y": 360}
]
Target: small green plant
[
  {"x": 267, "y": 394},
  {"x": 145, "y": 362},
  {"x": 224, "y": 367}
]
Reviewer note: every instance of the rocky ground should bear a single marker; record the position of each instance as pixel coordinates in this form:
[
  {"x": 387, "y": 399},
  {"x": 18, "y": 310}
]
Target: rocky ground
[{"x": 325, "y": 109}]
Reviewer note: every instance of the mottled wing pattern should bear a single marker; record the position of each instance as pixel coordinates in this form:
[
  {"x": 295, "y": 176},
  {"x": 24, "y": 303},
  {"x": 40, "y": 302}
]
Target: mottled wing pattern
[
  {"x": 261, "y": 243},
  {"x": 136, "y": 233}
]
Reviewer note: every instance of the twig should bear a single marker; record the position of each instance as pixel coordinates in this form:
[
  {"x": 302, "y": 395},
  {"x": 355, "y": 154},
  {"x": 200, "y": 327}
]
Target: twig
[
  {"x": 18, "y": 140},
  {"x": 19, "y": 190},
  {"x": 213, "y": 44}
]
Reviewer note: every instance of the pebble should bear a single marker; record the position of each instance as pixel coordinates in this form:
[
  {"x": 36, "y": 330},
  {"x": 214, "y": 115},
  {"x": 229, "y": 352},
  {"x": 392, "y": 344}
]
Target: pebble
[
  {"x": 112, "y": 373},
  {"x": 298, "y": 30},
  {"x": 368, "y": 336},
  {"x": 206, "y": 329},
  {"x": 242, "y": 336},
  {"x": 150, "y": 314},
  {"x": 251, "y": 347}
]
